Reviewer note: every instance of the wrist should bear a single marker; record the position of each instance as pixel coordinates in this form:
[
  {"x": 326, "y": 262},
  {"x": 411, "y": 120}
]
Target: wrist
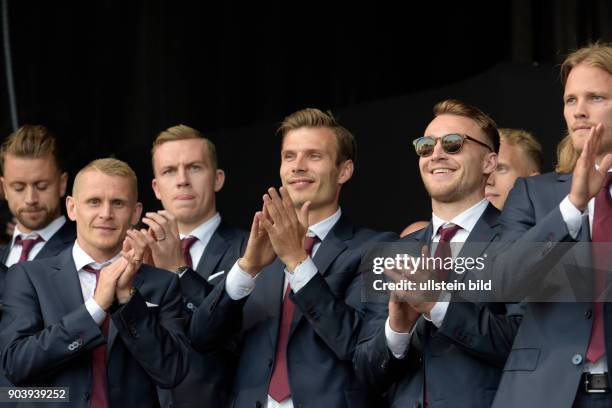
[
  {"x": 248, "y": 267},
  {"x": 293, "y": 261},
  {"x": 579, "y": 204},
  {"x": 124, "y": 295}
]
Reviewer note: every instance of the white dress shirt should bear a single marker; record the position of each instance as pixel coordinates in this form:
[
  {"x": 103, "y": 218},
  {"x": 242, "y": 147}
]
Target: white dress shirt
[
  {"x": 398, "y": 342},
  {"x": 203, "y": 233},
  {"x": 573, "y": 220},
  {"x": 46, "y": 234},
  {"x": 240, "y": 284},
  {"x": 88, "y": 280}
]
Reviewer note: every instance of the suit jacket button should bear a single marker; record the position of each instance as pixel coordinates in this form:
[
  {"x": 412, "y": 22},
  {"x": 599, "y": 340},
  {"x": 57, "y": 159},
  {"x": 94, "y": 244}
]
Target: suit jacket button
[
  {"x": 190, "y": 306},
  {"x": 576, "y": 359},
  {"x": 588, "y": 314}
]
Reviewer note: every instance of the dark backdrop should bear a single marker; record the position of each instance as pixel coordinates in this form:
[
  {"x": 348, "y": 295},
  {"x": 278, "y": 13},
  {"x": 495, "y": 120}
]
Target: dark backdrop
[{"x": 106, "y": 76}]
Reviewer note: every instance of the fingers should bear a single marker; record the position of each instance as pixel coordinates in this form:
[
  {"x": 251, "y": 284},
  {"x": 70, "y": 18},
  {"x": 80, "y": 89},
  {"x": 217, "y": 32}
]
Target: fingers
[
  {"x": 606, "y": 164},
  {"x": 274, "y": 205},
  {"x": 303, "y": 217},
  {"x": 162, "y": 223},
  {"x": 287, "y": 204}
]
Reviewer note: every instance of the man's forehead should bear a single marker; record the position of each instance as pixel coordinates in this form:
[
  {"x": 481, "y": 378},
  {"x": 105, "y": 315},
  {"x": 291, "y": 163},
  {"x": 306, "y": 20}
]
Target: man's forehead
[
  {"x": 447, "y": 123},
  {"x": 185, "y": 150}
]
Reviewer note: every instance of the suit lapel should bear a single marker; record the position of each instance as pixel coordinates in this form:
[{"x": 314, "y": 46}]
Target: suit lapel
[
  {"x": 65, "y": 279},
  {"x": 5, "y": 253},
  {"x": 331, "y": 247},
  {"x": 58, "y": 242},
  {"x": 214, "y": 251},
  {"x": 273, "y": 279}
]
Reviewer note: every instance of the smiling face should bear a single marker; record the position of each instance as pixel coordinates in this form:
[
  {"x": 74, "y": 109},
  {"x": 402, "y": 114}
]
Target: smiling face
[
  {"x": 104, "y": 208},
  {"x": 587, "y": 102},
  {"x": 459, "y": 177},
  {"x": 309, "y": 170},
  {"x": 186, "y": 181},
  {"x": 33, "y": 188}
]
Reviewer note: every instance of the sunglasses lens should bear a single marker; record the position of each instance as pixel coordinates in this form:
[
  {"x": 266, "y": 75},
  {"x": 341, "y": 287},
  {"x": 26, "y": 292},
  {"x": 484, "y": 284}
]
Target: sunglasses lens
[
  {"x": 424, "y": 146},
  {"x": 452, "y": 143}
]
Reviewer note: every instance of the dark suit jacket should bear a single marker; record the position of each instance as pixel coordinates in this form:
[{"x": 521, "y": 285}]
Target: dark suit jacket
[
  {"x": 461, "y": 360},
  {"x": 47, "y": 335},
  {"x": 209, "y": 380},
  {"x": 546, "y": 361},
  {"x": 326, "y": 322},
  {"x": 62, "y": 239}
]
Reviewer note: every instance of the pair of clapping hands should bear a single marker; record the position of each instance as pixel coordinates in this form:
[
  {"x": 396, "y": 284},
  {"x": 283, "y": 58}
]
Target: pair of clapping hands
[{"x": 277, "y": 230}]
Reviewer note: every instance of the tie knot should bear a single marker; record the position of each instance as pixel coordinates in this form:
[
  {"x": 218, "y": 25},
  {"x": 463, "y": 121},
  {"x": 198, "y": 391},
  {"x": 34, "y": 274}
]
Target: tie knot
[
  {"x": 309, "y": 243},
  {"x": 91, "y": 269},
  {"x": 28, "y": 242},
  {"x": 187, "y": 243},
  {"x": 447, "y": 233}
]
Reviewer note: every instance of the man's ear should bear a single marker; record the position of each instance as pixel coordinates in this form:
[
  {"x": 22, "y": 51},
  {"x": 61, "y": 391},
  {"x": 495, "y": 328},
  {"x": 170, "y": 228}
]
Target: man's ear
[
  {"x": 219, "y": 180},
  {"x": 490, "y": 163},
  {"x": 70, "y": 208},
  {"x": 155, "y": 189},
  {"x": 136, "y": 214},
  {"x": 346, "y": 171},
  {"x": 63, "y": 183},
  {"x": 535, "y": 173}
]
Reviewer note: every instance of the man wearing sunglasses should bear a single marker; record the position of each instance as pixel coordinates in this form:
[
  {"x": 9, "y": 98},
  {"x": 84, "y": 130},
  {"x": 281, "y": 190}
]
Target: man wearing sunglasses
[{"x": 436, "y": 353}]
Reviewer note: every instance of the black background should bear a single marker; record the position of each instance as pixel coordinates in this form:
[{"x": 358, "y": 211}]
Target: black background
[{"x": 107, "y": 76}]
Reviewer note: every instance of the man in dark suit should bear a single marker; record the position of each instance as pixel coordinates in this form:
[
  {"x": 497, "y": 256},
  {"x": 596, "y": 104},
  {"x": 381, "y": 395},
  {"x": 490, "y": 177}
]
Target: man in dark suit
[
  {"x": 189, "y": 238},
  {"x": 92, "y": 318},
  {"x": 34, "y": 184},
  {"x": 561, "y": 355},
  {"x": 293, "y": 300},
  {"x": 443, "y": 350}
]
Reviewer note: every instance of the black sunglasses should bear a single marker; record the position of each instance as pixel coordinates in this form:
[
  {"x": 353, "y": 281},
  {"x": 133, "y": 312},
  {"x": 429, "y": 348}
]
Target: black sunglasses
[{"x": 451, "y": 144}]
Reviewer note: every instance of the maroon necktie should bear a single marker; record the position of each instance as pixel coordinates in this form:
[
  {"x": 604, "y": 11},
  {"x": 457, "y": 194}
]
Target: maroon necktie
[
  {"x": 99, "y": 387},
  {"x": 602, "y": 232},
  {"x": 443, "y": 250},
  {"x": 26, "y": 246},
  {"x": 279, "y": 382},
  {"x": 186, "y": 244}
]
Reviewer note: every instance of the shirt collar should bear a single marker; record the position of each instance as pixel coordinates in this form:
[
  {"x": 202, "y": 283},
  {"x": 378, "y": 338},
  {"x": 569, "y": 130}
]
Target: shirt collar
[
  {"x": 204, "y": 231},
  {"x": 322, "y": 228},
  {"x": 45, "y": 233},
  {"x": 466, "y": 220},
  {"x": 81, "y": 258}
]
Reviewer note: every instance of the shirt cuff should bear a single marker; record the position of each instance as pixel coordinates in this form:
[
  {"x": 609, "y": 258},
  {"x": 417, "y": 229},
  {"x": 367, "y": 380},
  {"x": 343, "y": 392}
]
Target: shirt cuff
[
  {"x": 438, "y": 312},
  {"x": 239, "y": 284},
  {"x": 96, "y": 312},
  {"x": 301, "y": 275},
  {"x": 397, "y": 342},
  {"x": 572, "y": 217}
]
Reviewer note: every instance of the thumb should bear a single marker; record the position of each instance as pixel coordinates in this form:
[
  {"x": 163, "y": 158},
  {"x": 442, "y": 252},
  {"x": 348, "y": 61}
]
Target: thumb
[
  {"x": 606, "y": 164},
  {"x": 303, "y": 216}
]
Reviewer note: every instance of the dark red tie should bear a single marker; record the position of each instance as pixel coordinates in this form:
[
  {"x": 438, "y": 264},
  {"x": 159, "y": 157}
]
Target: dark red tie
[
  {"x": 99, "y": 387},
  {"x": 26, "y": 246},
  {"x": 443, "y": 250},
  {"x": 602, "y": 232},
  {"x": 186, "y": 244},
  {"x": 279, "y": 382}
]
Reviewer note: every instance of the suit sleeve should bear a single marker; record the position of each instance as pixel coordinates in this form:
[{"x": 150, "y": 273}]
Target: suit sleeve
[
  {"x": 529, "y": 249},
  {"x": 217, "y": 319},
  {"x": 194, "y": 289},
  {"x": 156, "y": 338},
  {"x": 32, "y": 351},
  {"x": 338, "y": 320},
  {"x": 376, "y": 366},
  {"x": 481, "y": 331}
]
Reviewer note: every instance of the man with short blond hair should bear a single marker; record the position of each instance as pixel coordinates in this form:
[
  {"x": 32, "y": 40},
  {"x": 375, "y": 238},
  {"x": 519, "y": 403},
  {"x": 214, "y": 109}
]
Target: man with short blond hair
[
  {"x": 520, "y": 155},
  {"x": 94, "y": 319}
]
